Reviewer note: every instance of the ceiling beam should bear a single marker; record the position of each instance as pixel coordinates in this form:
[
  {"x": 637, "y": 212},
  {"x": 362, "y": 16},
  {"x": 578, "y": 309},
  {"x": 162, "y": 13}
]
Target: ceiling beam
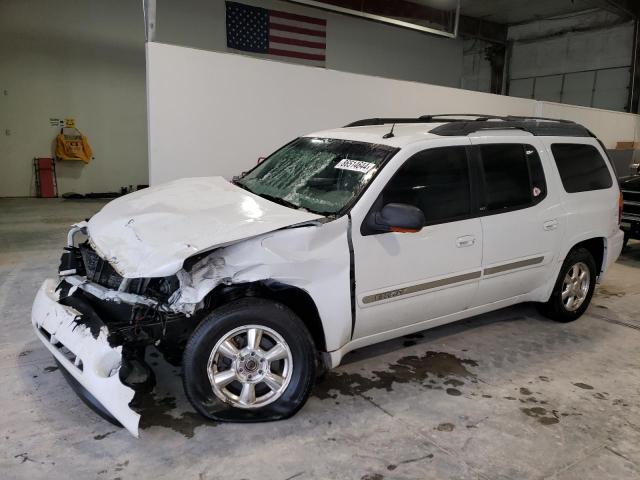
[{"x": 408, "y": 10}]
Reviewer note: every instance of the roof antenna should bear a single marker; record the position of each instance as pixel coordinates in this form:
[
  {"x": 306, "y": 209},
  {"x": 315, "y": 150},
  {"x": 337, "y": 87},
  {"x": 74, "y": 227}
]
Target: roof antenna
[{"x": 390, "y": 134}]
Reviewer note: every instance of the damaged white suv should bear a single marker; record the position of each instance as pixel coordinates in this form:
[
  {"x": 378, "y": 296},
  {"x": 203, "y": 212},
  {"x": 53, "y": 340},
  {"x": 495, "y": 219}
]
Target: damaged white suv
[{"x": 338, "y": 240}]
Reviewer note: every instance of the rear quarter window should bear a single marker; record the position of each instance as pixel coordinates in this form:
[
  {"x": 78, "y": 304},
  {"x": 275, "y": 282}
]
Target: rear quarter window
[{"x": 581, "y": 167}]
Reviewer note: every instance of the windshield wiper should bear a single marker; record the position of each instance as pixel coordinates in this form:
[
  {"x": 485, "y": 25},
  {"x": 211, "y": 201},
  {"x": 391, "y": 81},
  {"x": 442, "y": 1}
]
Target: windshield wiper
[
  {"x": 242, "y": 186},
  {"x": 278, "y": 200}
]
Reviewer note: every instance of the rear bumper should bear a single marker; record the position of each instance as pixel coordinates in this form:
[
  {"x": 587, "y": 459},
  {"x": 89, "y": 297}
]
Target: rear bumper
[{"x": 85, "y": 355}]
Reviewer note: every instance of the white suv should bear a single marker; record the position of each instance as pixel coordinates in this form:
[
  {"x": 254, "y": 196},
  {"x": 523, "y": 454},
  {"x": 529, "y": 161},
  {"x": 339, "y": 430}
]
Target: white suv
[{"x": 338, "y": 240}]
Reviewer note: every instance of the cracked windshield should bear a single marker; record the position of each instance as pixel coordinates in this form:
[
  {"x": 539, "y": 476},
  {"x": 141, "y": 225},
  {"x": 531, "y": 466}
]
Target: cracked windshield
[{"x": 321, "y": 175}]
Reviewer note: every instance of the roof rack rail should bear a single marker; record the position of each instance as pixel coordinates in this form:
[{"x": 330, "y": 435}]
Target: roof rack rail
[
  {"x": 543, "y": 119},
  {"x": 367, "y": 122},
  {"x": 536, "y": 127},
  {"x": 481, "y": 117},
  {"x": 456, "y": 117},
  {"x": 454, "y": 125},
  {"x": 445, "y": 117}
]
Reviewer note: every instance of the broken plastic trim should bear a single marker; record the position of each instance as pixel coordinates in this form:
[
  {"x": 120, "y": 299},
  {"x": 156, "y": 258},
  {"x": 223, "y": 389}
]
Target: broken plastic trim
[
  {"x": 80, "y": 227},
  {"x": 109, "y": 295},
  {"x": 62, "y": 328}
]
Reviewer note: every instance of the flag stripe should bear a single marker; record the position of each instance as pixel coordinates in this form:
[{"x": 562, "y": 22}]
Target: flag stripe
[
  {"x": 300, "y": 18},
  {"x": 297, "y": 36},
  {"x": 293, "y": 23},
  {"x": 305, "y": 31},
  {"x": 295, "y": 41},
  {"x": 288, "y": 53},
  {"x": 295, "y": 48}
]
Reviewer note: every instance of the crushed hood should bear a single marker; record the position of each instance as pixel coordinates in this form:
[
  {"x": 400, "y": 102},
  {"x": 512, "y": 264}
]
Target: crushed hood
[{"x": 150, "y": 233}]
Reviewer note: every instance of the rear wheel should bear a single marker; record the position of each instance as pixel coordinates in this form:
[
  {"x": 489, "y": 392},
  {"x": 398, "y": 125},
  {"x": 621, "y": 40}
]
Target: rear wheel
[
  {"x": 250, "y": 360},
  {"x": 574, "y": 287}
]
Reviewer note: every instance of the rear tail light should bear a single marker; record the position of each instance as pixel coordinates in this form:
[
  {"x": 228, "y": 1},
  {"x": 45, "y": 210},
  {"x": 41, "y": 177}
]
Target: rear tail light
[{"x": 620, "y": 205}]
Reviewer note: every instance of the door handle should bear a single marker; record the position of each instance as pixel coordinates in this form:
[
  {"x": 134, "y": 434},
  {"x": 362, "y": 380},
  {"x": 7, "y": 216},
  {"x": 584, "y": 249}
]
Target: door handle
[
  {"x": 550, "y": 225},
  {"x": 465, "y": 241}
]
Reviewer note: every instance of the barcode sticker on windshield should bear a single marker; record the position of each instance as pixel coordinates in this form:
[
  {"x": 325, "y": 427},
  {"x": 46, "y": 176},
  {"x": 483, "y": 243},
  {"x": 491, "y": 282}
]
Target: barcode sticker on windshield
[{"x": 355, "y": 165}]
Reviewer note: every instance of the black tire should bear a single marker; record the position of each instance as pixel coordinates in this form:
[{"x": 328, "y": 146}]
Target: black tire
[
  {"x": 625, "y": 242},
  {"x": 555, "y": 308},
  {"x": 243, "y": 312}
]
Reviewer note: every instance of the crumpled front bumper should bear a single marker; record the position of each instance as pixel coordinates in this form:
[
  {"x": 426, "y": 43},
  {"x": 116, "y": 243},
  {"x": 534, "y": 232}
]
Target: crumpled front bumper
[{"x": 89, "y": 359}]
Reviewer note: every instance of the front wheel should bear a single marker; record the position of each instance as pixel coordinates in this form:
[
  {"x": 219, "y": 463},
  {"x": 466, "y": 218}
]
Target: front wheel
[
  {"x": 250, "y": 360},
  {"x": 574, "y": 287}
]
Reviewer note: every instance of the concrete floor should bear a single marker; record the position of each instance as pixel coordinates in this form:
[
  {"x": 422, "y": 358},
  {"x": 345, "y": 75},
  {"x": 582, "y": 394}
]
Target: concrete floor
[{"x": 508, "y": 395}]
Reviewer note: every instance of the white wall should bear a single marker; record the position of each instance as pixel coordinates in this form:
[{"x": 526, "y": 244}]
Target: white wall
[
  {"x": 213, "y": 113},
  {"x": 353, "y": 44},
  {"x": 72, "y": 59}
]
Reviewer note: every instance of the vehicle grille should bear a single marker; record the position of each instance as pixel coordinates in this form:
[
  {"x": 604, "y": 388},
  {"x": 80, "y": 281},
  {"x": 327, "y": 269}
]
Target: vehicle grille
[{"x": 98, "y": 270}]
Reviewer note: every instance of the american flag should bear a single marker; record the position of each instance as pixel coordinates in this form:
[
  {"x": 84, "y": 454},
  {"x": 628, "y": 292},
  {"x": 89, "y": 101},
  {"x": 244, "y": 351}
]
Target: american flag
[{"x": 277, "y": 34}]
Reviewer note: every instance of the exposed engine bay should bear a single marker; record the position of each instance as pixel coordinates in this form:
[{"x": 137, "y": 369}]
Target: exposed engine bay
[{"x": 137, "y": 311}]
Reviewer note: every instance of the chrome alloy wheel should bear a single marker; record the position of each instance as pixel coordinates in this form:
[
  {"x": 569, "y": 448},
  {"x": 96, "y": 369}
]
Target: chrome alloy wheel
[
  {"x": 575, "y": 286},
  {"x": 250, "y": 367}
]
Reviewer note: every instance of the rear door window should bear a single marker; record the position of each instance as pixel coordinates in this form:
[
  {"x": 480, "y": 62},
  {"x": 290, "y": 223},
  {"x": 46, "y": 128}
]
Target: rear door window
[
  {"x": 513, "y": 176},
  {"x": 581, "y": 167}
]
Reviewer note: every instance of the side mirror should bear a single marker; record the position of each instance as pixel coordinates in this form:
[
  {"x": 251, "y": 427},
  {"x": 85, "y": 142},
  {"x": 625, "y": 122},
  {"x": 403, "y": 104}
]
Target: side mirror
[{"x": 397, "y": 217}]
